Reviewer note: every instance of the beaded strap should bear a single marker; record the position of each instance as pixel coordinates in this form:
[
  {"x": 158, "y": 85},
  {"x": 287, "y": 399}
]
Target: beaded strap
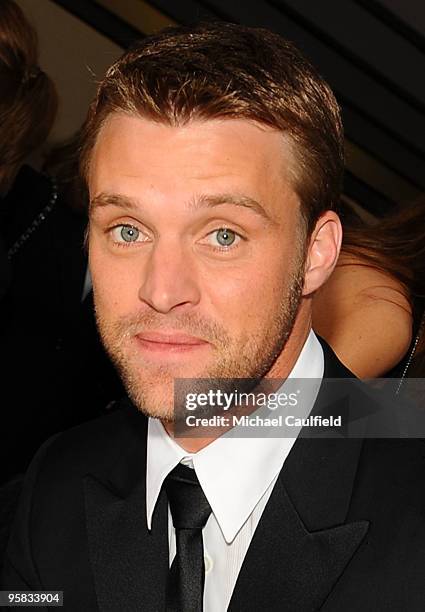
[
  {"x": 421, "y": 330},
  {"x": 37, "y": 221}
]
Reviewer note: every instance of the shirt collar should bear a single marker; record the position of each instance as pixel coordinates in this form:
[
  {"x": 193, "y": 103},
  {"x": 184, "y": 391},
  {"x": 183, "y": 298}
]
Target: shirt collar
[{"x": 234, "y": 472}]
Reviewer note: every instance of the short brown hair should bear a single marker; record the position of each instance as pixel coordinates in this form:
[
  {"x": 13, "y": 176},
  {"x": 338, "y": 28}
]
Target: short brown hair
[
  {"x": 28, "y": 99},
  {"x": 223, "y": 70}
]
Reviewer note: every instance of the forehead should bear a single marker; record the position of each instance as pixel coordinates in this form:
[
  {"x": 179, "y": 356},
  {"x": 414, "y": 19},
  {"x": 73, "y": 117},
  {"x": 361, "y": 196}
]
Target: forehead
[{"x": 134, "y": 153}]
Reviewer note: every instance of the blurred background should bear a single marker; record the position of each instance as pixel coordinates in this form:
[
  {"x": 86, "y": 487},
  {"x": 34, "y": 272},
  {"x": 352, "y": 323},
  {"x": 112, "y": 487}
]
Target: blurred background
[{"x": 372, "y": 52}]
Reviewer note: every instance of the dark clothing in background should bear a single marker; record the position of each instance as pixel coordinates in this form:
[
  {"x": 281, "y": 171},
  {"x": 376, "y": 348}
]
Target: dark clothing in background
[{"x": 52, "y": 364}]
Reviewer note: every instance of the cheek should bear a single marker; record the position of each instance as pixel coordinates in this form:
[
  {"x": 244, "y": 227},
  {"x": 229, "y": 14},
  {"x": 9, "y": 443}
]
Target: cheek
[
  {"x": 115, "y": 286},
  {"x": 243, "y": 299}
]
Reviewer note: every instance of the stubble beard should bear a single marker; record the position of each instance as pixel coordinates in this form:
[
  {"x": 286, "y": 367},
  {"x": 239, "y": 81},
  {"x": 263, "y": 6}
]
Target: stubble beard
[{"x": 250, "y": 357}]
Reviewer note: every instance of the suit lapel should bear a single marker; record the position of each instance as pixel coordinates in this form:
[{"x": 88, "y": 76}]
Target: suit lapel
[
  {"x": 289, "y": 567},
  {"x": 302, "y": 543},
  {"x": 129, "y": 563}
]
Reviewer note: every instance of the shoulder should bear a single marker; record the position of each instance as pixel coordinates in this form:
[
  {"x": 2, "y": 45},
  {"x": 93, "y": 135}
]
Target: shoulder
[
  {"x": 51, "y": 515},
  {"x": 371, "y": 324},
  {"x": 357, "y": 282},
  {"x": 92, "y": 447},
  {"x": 391, "y": 474},
  {"x": 53, "y": 492}
]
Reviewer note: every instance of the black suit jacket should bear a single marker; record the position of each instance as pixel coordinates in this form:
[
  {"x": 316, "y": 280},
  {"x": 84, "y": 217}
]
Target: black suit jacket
[{"x": 344, "y": 528}]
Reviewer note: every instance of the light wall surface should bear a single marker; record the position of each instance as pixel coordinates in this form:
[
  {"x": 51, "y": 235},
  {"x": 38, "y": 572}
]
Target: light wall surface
[{"x": 74, "y": 55}]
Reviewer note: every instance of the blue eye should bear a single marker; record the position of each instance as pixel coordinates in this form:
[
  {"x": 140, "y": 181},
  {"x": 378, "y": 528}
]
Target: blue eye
[
  {"x": 225, "y": 237},
  {"x": 129, "y": 233},
  {"x": 125, "y": 234}
]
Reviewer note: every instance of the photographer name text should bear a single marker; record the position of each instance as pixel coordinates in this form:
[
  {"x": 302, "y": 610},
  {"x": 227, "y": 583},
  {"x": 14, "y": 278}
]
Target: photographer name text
[{"x": 257, "y": 421}]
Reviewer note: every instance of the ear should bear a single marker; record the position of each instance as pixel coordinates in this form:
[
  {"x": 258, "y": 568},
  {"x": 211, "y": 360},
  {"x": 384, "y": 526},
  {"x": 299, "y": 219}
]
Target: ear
[{"x": 323, "y": 251}]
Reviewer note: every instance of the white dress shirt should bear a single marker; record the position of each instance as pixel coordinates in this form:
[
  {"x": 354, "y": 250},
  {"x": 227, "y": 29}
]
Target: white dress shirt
[{"x": 237, "y": 475}]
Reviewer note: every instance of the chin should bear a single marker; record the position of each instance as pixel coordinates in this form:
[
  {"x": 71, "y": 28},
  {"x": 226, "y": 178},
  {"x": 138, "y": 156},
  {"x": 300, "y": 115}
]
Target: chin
[
  {"x": 153, "y": 404},
  {"x": 153, "y": 394}
]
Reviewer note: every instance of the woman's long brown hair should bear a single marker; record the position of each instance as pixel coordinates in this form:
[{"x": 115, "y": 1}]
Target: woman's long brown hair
[
  {"x": 396, "y": 246},
  {"x": 28, "y": 99}
]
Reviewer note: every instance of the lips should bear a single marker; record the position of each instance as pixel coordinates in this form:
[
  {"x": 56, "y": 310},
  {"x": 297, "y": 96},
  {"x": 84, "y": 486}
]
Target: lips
[
  {"x": 169, "y": 341},
  {"x": 169, "y": 338}
]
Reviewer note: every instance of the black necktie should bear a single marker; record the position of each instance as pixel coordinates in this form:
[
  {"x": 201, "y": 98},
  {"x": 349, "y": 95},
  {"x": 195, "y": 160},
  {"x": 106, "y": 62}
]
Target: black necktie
[{"x": 190, "y": 511}]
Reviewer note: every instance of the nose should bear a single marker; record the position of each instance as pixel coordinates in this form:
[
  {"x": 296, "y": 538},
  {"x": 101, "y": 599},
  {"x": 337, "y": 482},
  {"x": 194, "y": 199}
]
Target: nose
[{"x": 169, "y": 278}]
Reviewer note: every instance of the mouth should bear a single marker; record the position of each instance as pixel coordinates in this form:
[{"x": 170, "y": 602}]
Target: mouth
[{"x": 169, "y": 342}]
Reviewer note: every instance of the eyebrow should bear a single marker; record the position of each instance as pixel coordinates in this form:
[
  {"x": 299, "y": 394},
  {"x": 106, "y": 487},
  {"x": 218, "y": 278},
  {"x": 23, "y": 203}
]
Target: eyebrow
[
  {"x": 112, "y": 199},
  {"x": 197, "y": 202},
  {"x": 210, "y": 201}
]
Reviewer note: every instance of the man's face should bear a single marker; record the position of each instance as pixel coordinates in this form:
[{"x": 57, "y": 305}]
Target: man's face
[{"x": 195, "y": 252}]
